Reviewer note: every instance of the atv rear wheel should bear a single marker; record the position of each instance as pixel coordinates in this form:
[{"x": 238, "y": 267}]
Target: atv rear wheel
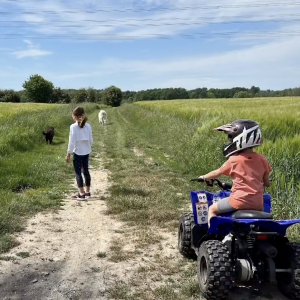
[
  {"x": 185, "y": 235},
  {"x": 289, "y": 258},
  {"x": 215, "y": 270}
]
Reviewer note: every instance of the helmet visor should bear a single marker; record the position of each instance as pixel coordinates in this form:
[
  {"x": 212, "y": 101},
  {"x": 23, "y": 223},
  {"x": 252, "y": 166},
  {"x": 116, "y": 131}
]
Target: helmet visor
[{"x": 227, "y": 128}]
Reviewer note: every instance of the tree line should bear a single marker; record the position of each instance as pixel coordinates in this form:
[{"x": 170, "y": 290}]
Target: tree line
[
  {"x": 205, "y": 93},
  {"x": 38, "y": 89}
]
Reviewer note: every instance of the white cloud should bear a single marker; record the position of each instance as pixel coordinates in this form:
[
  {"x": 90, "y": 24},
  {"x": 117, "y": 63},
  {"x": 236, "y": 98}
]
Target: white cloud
[
  {"x": 31, "y": 51},
  {"x": 272, "y": 65},
  {"x": 149, "y": 18},
  {"x": 269, "y": 61}
]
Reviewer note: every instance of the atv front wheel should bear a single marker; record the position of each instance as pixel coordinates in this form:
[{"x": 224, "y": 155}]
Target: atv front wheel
[
  {"x": 185, "y": 235},
  {"x": 215, "y": 271},
  {"x": 289, "y": 258}
]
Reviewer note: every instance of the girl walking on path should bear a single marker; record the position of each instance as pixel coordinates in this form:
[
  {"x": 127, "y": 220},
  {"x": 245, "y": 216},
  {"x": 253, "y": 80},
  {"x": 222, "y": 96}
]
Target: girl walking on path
[{"x": 80, "y": 145}]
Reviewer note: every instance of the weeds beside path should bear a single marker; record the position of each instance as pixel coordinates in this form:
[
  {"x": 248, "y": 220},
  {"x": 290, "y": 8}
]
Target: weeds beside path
[
  {"x": 84, "y": 252},
  {"x": 122, "y": 243},
  {"x": 149, "y": 193},
  {"x": 59, "y": 256}
]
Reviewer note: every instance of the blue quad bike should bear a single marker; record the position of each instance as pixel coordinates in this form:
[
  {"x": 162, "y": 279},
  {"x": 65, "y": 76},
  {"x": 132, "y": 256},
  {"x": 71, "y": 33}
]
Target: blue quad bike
[{"x": 239, "y": 247}]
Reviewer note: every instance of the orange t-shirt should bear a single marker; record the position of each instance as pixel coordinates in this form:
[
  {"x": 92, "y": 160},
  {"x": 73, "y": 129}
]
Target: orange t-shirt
[{"x": 247, "y": 171}]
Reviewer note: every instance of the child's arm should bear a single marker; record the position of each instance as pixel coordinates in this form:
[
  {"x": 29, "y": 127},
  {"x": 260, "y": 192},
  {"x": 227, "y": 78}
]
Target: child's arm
[
  {"x": 268, "y": 171},
  {"x": 71, "y": 144},
  {"x": 224, "y": 170},
  {"x": 266, "y": 180},
  {"x": 91, "y": 136},
  {"x": 212, "y": 175}
]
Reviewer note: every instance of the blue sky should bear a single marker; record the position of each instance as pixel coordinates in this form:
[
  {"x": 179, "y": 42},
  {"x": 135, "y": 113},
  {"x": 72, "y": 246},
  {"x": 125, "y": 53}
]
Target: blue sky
[{"x": 143, "y": 44}]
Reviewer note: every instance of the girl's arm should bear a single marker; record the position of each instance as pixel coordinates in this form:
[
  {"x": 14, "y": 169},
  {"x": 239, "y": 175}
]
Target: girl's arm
[
  {"x": 71, "y": 144},
  {"x": 91, "y": 136}
]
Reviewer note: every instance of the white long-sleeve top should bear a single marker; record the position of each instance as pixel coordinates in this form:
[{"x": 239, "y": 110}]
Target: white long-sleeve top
[{"x": 80, "y": 139}]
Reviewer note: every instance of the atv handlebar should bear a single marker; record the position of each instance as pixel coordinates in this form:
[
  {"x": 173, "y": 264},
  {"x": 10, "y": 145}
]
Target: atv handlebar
[{"x": 226, "y": 186}]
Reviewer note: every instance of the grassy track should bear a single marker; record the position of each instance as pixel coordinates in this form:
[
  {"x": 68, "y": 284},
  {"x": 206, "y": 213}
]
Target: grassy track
[
  {"x": 200, "y": 146},
  {"x": 148, "y": 195},
  {"x": 34, "y": 176},
  {"x": 154, "y": 148}
]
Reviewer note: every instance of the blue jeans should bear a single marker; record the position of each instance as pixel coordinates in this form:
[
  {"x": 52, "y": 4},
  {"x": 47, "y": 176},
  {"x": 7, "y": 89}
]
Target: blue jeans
[{"x": 81, "y": 165}]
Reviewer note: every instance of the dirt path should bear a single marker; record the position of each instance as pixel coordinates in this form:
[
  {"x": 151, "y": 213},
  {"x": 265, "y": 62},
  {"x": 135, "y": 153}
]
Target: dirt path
[
  {"x": 67, "y": 256},
  {"x": 62, "y": 249}
]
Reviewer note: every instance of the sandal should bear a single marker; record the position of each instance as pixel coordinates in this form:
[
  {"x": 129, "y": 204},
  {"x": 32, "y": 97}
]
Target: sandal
[{"x": 79, "y": 197}]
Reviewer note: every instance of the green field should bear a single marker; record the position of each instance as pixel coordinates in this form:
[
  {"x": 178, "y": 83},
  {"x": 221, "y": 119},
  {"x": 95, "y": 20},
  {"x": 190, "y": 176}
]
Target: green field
[
  {"x": 9, "y": 110},
  {"x": 176, "y": 134},
  {"x": 179, "y": 134},
  {"x": 280, "y": 122},
  {"x": 33, "y": 175},
  {"x": 151, "y": 150}
]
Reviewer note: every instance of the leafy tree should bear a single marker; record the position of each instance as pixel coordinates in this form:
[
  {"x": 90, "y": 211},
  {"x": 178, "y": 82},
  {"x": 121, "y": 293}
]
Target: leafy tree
[
  {"x": 254, "y": 90},
  {"x": 81, "y": 96},
  {"x": 243, "y": 94},
  {"x": 210, "y": 94},
  {"x": 112, "y": 96},
  {"x": 38, "y": 89},
  {"x": 2, "y": 93},
  {"x": 128, "y": 94},
  {"x": 91, "y": 95},
  {"x": 60, "y": 96},
  {"x": 22, "y": 95},
  {"x": 99, "y": 96},
  {"x": 11, "y": 96},
  {"x": 198, "y": 93}
]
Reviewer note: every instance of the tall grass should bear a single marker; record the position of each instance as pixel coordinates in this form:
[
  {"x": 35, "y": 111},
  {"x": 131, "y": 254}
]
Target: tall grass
[
  {"x": 183, "y": 131},
  {"x": 34, "y": 176},
  {"x": 153, "y": 149}
]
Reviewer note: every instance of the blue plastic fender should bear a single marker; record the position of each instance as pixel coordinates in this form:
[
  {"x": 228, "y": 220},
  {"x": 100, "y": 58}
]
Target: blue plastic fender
[{"x": 223, "y": 225}]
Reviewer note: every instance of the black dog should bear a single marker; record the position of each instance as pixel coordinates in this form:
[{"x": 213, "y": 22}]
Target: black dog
[{"x": 49, "y": 133}]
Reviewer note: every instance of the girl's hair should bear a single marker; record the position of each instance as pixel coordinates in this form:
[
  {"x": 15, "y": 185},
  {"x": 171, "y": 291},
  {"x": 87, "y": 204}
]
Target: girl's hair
[{"x": 78, "y": 112}]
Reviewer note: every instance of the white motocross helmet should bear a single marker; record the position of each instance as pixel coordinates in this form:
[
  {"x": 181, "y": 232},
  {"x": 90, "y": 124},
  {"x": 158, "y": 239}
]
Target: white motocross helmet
[{"x": 242, "y": 134}]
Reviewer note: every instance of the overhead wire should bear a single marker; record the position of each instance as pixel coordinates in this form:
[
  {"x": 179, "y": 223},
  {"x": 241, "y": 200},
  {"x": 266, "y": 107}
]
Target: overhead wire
[
  {"x": 146, "y": 22},
  {"x": 194, "y": 35},
  {"x": 157, "y": 8},
  {"x": 159, "y": 23},
  {"x": 202, "y": 18}
]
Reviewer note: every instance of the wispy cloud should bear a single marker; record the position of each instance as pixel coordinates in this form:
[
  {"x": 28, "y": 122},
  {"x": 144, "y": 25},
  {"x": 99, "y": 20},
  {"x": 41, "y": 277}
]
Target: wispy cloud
[
  {"x": 31, "y": 51},
  {"x": 273, "y": 65},
  {"x": 254, "y": 53},
  {"x": 150, "y": 18}
]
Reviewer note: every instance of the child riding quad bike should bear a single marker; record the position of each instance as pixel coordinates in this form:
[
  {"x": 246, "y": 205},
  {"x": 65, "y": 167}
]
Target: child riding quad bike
[{"x": 238, "y": 245}]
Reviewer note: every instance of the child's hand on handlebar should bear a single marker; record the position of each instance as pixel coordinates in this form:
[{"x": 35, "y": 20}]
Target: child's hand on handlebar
[{"x": 209, "y": 182}]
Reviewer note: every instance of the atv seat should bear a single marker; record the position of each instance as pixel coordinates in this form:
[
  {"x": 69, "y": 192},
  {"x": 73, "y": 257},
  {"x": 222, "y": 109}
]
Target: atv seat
[{"x": 251, "y": 214}]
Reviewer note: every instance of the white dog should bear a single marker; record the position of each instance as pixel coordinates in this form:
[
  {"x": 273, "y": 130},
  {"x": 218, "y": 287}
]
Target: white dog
[{"x": 102, "y": 116}]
